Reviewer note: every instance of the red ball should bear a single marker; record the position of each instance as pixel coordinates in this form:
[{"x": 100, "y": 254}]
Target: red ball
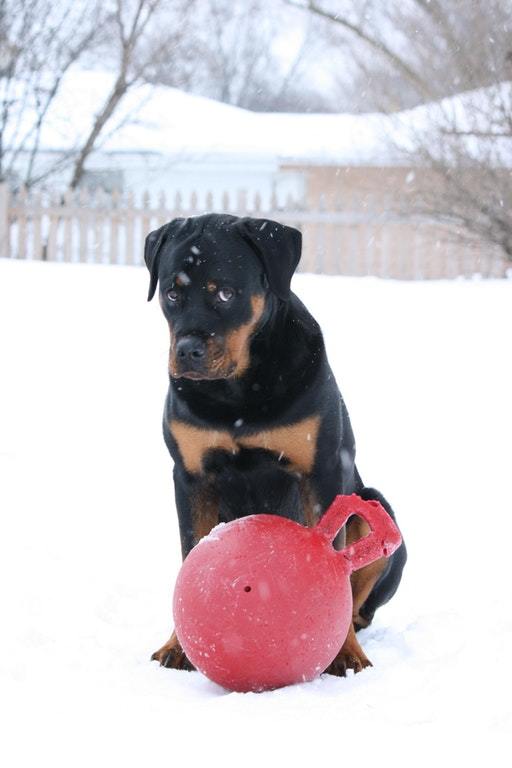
[{"x": 264, "y": 602}]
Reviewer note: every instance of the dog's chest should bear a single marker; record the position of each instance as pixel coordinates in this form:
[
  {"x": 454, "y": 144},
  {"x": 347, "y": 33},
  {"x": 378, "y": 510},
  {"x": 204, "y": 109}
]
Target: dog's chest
[{"x": 294, "y": 443}]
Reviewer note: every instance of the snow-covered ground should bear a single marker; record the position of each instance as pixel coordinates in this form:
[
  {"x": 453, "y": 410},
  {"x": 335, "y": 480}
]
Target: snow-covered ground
[{"x": 89, "y": 544}]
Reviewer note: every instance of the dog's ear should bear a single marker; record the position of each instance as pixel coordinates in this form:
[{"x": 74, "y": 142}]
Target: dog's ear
[
  {"x": 153, "y": 248},
  {"x": 277, "y": 246}
]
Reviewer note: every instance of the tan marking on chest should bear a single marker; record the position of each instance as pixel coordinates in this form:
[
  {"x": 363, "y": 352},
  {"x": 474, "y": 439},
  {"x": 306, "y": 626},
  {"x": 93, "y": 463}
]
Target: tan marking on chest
[
  {"x": 295, "y": 442},
  {"x": 193, "y": 443}
]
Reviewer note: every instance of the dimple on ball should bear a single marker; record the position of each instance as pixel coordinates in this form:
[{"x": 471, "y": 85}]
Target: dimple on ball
[{"x": 263, "y": 602}]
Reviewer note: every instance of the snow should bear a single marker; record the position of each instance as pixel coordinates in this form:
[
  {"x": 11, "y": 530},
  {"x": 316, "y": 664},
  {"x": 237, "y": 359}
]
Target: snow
[
  {"x": 482, "y": 114},
  {"x": 164, "y": 121},
  {"x": 90, "y": 546},
  {"x": 159, "y": 119}
]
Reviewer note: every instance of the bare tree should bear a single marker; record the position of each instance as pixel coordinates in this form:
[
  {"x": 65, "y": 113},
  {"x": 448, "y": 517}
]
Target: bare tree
[
  {"x": 39, "y": 42},
  {"x": 408, "y": 52},
  {"x": 419, "y": 51},
  {"x": 465, "y": 145},
  {"x": 140, "y": 46},
  {"x": 234, "y": 53}
]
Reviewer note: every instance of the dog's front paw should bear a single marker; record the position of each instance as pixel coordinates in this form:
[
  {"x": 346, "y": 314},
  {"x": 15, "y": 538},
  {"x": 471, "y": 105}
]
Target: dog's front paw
[
  {"x": 172, "y": 655},
  {"x": 344, "y": 661},
  {"x": 351, "y": 656}
]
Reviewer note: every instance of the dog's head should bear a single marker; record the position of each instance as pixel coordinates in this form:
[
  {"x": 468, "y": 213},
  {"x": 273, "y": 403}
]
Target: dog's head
[{"x": 218, "y": 275}]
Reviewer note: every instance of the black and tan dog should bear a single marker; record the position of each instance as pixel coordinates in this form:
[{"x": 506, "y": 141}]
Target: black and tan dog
[{"x": 253, "y": 419}]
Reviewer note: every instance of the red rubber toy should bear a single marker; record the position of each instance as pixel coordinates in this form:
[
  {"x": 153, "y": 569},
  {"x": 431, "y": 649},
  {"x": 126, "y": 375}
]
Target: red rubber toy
[{"x": 264, "y": 602}]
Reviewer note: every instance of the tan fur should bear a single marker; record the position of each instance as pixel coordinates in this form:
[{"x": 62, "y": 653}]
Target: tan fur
[
  {"x": 351, "y": 656},
  {"x": 172, "y": 655},
  {"x": 172, "y": 354},
  {"x": 310, "y": 505},
  {"x": 237, "y": 342},
  {"x": 296, "y": 443},
  {"x": 363, "y": 580},
  {"x": 231, "y": 357},
  {"x": 194, "y": 442},
  {"x": 205, "y": 512}
]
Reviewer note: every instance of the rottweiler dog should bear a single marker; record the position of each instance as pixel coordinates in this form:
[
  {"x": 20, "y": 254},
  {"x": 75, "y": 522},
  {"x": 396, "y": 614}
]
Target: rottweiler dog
[{"x": 253, "y": 419}]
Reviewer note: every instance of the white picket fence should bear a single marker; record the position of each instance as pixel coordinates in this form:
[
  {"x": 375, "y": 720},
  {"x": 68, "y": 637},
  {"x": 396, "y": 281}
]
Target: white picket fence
[{"x": 111, "y": 228}]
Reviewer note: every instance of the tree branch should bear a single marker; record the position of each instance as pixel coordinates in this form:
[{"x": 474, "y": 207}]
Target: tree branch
[
  {"x": 123, "y": 82},
  {"x": 379, "y": 46}
]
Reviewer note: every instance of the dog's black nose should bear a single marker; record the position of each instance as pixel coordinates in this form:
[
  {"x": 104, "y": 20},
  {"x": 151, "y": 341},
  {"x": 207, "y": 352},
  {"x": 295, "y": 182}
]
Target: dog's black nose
[{"x": 190, "y": 349}]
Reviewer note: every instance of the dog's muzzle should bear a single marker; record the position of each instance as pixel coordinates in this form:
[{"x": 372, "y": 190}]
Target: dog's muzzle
[{"x": 191, "y": 356}]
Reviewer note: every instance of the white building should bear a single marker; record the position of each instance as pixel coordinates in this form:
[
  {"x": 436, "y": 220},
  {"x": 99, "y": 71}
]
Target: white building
[{"x": 162, "y": 139}]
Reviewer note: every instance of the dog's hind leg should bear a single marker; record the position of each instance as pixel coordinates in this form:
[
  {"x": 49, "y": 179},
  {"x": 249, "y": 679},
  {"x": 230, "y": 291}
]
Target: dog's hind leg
[
  {"x": 375, "y": 584},
  {"x": 372, "y": 586}
]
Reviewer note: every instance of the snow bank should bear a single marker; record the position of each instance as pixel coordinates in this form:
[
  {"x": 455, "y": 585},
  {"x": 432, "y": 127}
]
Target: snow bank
[{"x": 90, "y": 548}]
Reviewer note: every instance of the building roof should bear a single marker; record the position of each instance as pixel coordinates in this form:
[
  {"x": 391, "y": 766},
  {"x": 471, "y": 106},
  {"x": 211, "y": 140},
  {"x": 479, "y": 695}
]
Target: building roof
[{"x": 168, "y": 121}]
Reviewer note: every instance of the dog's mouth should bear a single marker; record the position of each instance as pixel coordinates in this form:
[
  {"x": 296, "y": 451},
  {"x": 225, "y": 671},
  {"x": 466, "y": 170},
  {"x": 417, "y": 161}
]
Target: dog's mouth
[
  {"x": 206, "y": 375},
  {"x": 194, "y": 375}
]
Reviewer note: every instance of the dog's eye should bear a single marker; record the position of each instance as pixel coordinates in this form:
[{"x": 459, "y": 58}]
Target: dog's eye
[
  {"x": 172, "y": 295},
  {"x": 225, "y": 294}
]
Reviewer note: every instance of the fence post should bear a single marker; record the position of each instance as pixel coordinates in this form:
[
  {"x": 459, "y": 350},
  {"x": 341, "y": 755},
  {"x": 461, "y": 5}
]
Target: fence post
[{"x": 4, "y": 221}]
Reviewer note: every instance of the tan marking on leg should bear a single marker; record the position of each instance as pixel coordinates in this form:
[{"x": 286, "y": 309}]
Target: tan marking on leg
[
  {"x": 295, "y": 442},
  {"x": 172, "y": 655},
  {"x": 205, "y": 512},
  {"x": 357, "y": 528},
  {"x": 360, "y": 622},
  {"x": 309, "y": 503},
  {"x": 193, "y": 443},
  {"x": 351, "y": 656},
  {"x": 363, "y": 580}
]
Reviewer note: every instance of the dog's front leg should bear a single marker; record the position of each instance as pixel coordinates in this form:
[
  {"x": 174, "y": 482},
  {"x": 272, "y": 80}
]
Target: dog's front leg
[
  {"x": 172, "y": 655},
  {"x": 197, "y": 505}
]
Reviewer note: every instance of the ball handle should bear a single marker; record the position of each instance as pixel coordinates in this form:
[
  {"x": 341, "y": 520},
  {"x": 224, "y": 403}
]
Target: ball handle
[{"x": 383, "y": 539}]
